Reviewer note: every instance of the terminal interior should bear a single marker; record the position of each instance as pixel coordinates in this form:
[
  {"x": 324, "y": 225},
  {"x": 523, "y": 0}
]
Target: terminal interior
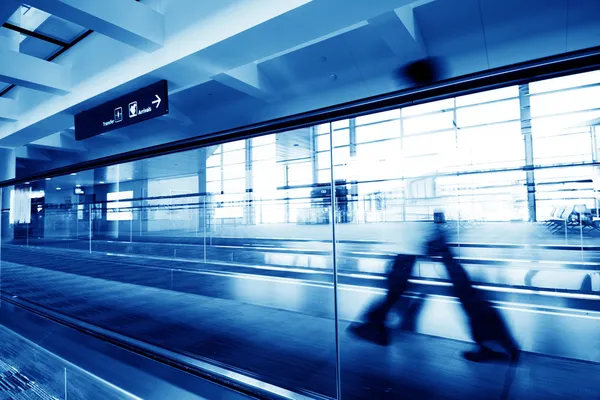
[{"x": 233, "y": 263}]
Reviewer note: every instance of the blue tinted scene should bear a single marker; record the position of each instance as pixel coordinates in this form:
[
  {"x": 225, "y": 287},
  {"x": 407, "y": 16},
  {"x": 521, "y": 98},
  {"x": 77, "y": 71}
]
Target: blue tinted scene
[{"x": 445, "y": 247}]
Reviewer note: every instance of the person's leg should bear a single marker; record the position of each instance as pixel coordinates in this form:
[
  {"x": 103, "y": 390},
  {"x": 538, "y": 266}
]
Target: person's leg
[
  {"x": 374, "y": 329},
  {"x": 397, "y": 283},
  {"x": 488, "y": 329}
]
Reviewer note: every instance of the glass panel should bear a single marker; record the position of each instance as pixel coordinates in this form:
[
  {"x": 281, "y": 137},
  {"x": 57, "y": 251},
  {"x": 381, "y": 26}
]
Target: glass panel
[
  {"x": 237, "y": 145},
  {"x": 264, "y": 140},
  {"x": 165, "y": 256},
  {"x": 340, "y": 138},
  {"x": 344, "y": 123},
  {"x": 266, "y": 152},
  {"x": 567, "y": 101},
  {"x": 341, "y": 155},
  {"x": 565, "y": 82},
  {"x": 213, "y": 187},
  {"x": 38, "y": 48},
  {"x": 378, "y": 117},
  {"x": 46, "y": 24},
  {"x": 370, "y": 133},
  {"x": 428, "y": 123},
  {"x": 324, "y": 176},
  {"x": 214, "y": 159},
  {"x": 300, "y": 174},
  {"x": 234, "y": 171},
  {"x": 490, "y": 95},
  {"x": 552, "y": 125},
  {"x": 234, "y": 157},
  {"x": 442, "y": 253},
  {"x": 575, "y": 147},
  {"x": 267, "y": 175},
  {"x": 323, "y": 128},
  {"x": 213, "y": 174},
  {"x": 491, "y": 146},
  {"x": 323, "y": 160},
  {"x": 323, "y": 142},
  {"x": 375, "y": 159},
  {"x": 454, "y": 220},
  {"x": 234, "y": 186},
  {"x": 432, "y": 143},
  {"x": 447, "y": 104},
  {"x": 488, "y": 113}
]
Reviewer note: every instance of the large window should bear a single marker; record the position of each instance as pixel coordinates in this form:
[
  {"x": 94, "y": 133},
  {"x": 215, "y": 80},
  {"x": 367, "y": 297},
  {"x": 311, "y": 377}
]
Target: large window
[
  {"x": 256, "y": 255},
  {"x": 118, "y": 206}
]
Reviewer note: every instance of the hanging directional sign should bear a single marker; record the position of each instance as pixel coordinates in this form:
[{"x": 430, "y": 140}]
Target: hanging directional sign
[{"x": 141, "y": 105}]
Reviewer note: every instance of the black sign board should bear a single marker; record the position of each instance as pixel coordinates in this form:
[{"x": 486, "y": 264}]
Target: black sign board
[{"x": 141, "y": 105}]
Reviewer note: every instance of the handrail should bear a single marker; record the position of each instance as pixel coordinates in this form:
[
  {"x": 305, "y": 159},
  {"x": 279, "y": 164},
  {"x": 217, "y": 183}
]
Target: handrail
[
  {"x": 509, "y": 263},
  {"x": 191, "y": 364}
]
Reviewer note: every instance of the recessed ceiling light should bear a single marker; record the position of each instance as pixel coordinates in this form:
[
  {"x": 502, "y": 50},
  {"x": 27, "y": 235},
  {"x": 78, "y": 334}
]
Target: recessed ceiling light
[
  {"x": 74, "y": 173},
  {"x": 129, "y": 179},
  {"x": 27, "y": 183},
  {"x": 58, "y": 188},
  {"x": 48, "y": 179},
  {"x": 102, "y": 182},
  {"x": 77, "y": 185}
]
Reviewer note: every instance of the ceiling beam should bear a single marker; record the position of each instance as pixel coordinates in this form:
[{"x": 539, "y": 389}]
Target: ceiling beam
[
  {"x": 7, "y": 9},
  {"x": 238, "y": 35},
  {"x": 329, "y": 18},
  {"x": 8, "y": 109},
  {"x": 400, "y": 30},
  {"x": 31, "y": 153},
  {"x": 60, "y": 141},
  {"x": 129, "y": 22},
  {"x": 176, "y": 116},
  {"x": 236, "y": 19},
  {"x": 249, "y": 79},
  {"x": 34, "y": 73},
  {"x": 8, "y": 166},
  {"x": 406, "y": 14}
]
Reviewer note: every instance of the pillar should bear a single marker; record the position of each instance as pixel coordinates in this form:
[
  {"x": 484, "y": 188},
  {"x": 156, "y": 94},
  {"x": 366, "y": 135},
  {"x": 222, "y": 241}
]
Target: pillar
[
  {"x": 203, "y": 200},
  {"x": 528, "y": 141},
  {"x": 8, "y": 167}
]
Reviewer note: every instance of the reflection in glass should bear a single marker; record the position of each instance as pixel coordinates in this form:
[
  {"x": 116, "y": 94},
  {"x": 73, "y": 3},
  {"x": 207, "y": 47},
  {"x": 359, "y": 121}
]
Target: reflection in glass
[{"x": 227, "y": 252}]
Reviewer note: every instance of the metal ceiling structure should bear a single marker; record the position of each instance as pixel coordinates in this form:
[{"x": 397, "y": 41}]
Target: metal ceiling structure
[{"x": 236, "y": 63}]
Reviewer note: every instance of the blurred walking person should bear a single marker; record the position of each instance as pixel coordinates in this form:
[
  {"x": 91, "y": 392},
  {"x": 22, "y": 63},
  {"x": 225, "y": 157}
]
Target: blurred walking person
[{"x": 488, "y": 329}]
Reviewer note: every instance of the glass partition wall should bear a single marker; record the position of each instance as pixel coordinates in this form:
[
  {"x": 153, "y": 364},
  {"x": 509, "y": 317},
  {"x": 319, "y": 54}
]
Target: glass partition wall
[{"x": 271, "y": 256}]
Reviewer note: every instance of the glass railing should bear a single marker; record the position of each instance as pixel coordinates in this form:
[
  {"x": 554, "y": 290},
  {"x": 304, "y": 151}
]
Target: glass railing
[{"x": 414, "y": 272}]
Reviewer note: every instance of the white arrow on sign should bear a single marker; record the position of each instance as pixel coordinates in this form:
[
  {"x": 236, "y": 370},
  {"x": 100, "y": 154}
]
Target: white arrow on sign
[{"x": 157, "y": 101}]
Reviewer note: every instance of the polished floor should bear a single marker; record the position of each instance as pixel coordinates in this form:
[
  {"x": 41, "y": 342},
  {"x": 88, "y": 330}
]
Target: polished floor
[
  {"x": 282, "y": 330},
  {"x": 28, "y": 371}
]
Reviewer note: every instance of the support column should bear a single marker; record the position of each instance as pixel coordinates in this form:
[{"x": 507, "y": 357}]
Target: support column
[
  {"x": 313, "y": 152},
  {"x": 8, "y": 167},
  {"x": 203, "y": 155},
  {"x": 287, "y": 198},
  {"x": 528, "y": 141},
  {"x": 595, "y": 150},
  {"x": 249, "y": 209},
  {"x": 353, "y": 189},
  {"x": 9, "y": 39}
]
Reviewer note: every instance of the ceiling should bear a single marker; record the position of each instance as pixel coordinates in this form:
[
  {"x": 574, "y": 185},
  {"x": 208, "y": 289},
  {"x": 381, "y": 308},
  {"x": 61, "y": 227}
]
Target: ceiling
[{"x": 236, "y": 62}]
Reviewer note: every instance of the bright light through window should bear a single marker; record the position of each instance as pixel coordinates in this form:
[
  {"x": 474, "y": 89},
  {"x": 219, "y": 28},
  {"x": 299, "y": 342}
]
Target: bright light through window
[
  {"x": 20, "y": 206},
  {"x": 117, "y": 209}
]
